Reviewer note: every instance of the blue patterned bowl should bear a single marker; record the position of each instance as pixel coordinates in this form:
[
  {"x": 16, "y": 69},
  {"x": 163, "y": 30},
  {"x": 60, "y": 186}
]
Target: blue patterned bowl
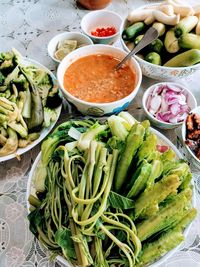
[
  {"x": 98, "y": 109},
  {"x": 159, "y": 72}
]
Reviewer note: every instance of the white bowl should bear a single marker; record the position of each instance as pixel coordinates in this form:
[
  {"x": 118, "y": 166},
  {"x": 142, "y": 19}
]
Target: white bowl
[
  {"x": 98, "y": 109},
  {"x": 155, "y": 71},
  {"x": 80, "y": 37},
  {"x": 191, "y": 101},
  {"x": 195, "y": 160},
  {"x": 101, "y": 19}
]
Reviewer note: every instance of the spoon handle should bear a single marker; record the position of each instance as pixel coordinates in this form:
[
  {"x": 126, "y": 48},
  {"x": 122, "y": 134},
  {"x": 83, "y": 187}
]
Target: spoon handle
[{"x": 150, "y": 35}]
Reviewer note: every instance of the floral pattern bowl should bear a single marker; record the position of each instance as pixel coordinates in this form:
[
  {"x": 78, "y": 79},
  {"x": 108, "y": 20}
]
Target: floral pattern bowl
[
  {"x": 155, "y": 71},
  {"x": 99, "y": 109}
]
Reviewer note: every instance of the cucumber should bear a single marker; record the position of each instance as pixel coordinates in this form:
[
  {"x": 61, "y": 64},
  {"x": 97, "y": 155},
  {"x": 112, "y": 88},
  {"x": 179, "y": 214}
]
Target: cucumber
[
  {"x": 138, "y": 39},
  {"x": 160, "y": 27},
  {"x": 131, "y": 31},
  {"x": 189, "y": 41},
  {"x": 184, "y": 59},
  {"x": 156, "y": 46},
  {"x": 153, "y": 58},
  {"x": 171, "y": 42},
  {"x": 186, "y": 25}
]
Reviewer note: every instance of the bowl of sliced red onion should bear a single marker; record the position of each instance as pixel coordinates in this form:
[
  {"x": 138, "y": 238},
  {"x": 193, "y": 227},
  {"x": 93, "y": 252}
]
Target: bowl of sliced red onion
[{"x": 167, "y": 104}]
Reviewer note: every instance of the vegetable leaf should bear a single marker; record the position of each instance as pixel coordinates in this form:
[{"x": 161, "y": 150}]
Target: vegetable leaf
[
  {"x": 64, "y": 240},
  {"x": 119, "y": 202}
]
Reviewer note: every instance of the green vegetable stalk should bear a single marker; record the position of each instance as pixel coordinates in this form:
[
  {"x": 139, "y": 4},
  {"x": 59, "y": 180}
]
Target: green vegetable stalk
[
  {"x": 166, "y": 217},
  {"x": 141, "y": 181},
  {"x": 167, "y": 241},
  {"x": 11, "y": 143},
  {"x": 133, "y": 142},
  {"x": 156, "y": 194}
]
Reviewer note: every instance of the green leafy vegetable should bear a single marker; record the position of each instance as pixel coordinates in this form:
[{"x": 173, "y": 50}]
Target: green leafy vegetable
[{"x": 89, "y": 172}]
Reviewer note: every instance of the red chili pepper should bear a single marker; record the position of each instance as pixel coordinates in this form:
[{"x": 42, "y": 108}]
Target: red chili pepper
[{"x": 104, "y": 32}]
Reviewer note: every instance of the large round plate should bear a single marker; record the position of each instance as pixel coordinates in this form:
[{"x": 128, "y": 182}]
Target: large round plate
[
  {"x": 44, "y": 131},
  {"x": 162, "y": 140}
]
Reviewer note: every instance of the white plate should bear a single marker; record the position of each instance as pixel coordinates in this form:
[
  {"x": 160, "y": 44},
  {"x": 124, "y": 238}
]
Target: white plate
[
  {"x": 162, "y": 141},
  {"x": 44, "y": 131}
]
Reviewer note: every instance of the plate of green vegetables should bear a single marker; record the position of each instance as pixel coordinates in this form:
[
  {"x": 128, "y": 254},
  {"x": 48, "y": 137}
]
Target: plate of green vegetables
[
  {"x": 30, "y": 104},
  {"x": 112, "y": 193}
]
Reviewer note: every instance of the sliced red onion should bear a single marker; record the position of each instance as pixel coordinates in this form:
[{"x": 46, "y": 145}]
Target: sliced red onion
[
  {"x": 184, "y": 109},
  {"x": 175, "y": 108},
  {"x": 155, "y": 104},
  {"x": 164, "y": 106},
  {"x": 164, "y": 116},
  {"x": 168, "y": 103},
  {"x": 148, "y": 103},
  {"x": 157, "y": 90},
  {"x": 174, "y": 88}
]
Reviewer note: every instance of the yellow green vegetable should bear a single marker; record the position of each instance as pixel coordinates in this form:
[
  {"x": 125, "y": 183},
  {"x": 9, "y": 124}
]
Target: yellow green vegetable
[
  {"x": 185, "y": 59},
  {"x": 189, "y": 41},
  {"x": 153, "y": 58},
  {"x": 171, "y": 42}
]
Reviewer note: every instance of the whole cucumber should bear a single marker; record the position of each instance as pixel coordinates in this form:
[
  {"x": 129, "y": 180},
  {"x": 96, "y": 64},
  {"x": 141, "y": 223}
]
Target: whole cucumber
[
  {"x": 184, "y": 59},
  {"x": 156, "y": 46},
  {"x": 189, "y": 41},
  {"x": 171, "y": 42},
  {"x": 186, "y": 25},
  {"x": 131, "y": 31},
  {"x": 153, "y": 58}
]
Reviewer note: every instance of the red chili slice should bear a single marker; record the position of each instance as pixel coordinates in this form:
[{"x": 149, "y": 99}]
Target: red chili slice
[{"x": 104, "y": 32}]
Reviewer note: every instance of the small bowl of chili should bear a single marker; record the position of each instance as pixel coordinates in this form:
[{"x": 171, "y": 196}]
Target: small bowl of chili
[{"x": 102, "y": 26}]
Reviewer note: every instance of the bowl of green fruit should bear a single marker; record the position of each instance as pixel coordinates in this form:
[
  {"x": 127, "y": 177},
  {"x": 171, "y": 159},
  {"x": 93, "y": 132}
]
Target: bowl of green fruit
[{"x": 176, "y": 52}]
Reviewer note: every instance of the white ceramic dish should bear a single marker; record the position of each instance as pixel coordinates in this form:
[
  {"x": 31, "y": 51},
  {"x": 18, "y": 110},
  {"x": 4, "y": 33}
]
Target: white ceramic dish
[
  {"x": 159, "y": 72},
  {"x": 195, "y": 160},
  {"x": 44, "y": 131},
  {"x": 163, "y": 141},
  {"x": 98, "y": 109},
  {"x": 82, "y": 39},
  {"x": 101, "y": 19},
  {"x": 191, "y": 101}
]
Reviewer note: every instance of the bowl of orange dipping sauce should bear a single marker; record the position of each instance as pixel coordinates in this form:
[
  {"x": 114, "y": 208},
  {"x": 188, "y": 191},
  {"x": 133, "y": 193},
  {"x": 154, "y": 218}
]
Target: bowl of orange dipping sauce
[{"x": 88, "y": 79}]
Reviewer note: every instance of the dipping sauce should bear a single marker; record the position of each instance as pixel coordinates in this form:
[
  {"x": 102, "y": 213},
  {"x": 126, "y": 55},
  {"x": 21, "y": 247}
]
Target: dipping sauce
[{"x": 94, "y": 79}]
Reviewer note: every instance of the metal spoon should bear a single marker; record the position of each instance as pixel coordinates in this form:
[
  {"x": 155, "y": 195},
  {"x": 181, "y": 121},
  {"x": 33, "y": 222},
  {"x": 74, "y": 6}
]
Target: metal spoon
[{"x": 150, "y": 35}]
